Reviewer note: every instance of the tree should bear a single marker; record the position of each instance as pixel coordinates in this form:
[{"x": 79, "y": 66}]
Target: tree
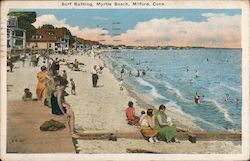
[
  {"x": 24, "y": 21},
  {"x": 48, "y": 26}
]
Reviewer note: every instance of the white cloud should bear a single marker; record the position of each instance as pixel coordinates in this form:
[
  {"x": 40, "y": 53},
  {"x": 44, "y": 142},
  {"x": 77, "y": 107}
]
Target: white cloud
[
  {"x": 219, "y": 30},
  {"x": 86, "y": 33}
]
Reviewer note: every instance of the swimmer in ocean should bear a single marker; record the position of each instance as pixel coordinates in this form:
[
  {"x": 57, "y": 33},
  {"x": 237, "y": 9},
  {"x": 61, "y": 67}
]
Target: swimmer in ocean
[
  {"x": 226, "y": 97},
  {"x": 196, "y": 74},
  {"x": 197, "y": 98}
]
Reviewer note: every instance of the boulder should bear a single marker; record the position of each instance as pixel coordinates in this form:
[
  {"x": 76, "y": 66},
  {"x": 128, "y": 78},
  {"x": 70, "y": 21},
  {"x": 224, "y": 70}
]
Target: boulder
[{"x": 52, "y": 125}]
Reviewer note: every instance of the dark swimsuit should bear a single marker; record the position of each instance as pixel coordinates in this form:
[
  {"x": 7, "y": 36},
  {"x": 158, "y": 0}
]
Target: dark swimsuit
[{"x": 55, "y": 107}]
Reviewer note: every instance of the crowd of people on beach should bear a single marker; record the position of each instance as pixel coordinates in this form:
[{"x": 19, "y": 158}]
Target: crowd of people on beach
[
  {"x": 154, "y": 125},
  {"x": 52, "y": 83}
]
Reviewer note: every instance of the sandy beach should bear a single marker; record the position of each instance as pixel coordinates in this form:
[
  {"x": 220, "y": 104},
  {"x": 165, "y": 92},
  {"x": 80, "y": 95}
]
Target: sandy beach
[{"x": 103, "y": 109}]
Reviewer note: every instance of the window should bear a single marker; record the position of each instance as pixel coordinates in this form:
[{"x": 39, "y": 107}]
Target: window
[
  {"x": 49, "y": 45},
  {"x": 18, "y": 42},
  {"x": 19, "y": 33}
]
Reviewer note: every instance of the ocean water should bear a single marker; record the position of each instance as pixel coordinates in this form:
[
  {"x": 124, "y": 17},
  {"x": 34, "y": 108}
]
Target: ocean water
[{"x": 173, "y": 77}]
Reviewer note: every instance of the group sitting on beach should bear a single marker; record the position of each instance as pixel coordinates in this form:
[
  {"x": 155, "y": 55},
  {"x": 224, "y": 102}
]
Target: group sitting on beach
[{"x": 153, "y": 126}]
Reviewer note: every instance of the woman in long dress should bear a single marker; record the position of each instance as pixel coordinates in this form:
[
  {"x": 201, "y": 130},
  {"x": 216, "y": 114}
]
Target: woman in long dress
[
  {"x": 41, "y": 89},
  {"x": 163, "y": 124}
]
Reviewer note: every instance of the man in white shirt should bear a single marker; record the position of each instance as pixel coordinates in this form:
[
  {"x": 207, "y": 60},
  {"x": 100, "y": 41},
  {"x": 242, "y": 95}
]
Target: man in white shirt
[{"x": 94, "y": 76}]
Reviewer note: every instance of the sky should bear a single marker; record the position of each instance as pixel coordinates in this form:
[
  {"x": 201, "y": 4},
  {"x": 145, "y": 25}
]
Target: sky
[{"x": 150, "y": 27}]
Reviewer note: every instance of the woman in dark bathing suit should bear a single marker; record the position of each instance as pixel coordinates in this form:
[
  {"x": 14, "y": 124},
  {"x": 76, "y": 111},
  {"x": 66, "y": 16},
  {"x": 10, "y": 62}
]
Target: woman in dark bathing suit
[{"x": 60, "y": 107}]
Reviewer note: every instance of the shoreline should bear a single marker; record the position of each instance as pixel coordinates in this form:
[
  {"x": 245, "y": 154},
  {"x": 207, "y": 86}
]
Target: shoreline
[
  {"x": 102, "y": 109},
  {"x": 190, "y": 126}
]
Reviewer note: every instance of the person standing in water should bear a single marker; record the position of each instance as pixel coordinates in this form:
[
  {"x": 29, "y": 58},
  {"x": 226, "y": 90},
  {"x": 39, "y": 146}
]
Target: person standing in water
[
  {"x": 130, "y": 73},
  {"x": 197, "y": 98},
  {"x": 122, "y": 72},
  {"x": 143, "y": 72},
  {"x": 196, "y": 74},
  {"x": 138, "y": 73}
]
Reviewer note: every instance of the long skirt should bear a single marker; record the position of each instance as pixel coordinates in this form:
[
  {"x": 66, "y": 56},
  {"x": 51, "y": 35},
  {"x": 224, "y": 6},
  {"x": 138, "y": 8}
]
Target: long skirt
[
  {"x": 41, "y": 92},
  {"x": 94, "y": 79},
  {"x": 148, "y": 132},
  {"x": 167, "y": 133}
]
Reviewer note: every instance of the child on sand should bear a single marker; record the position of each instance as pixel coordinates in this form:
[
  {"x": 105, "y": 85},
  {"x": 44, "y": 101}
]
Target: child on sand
[
  {"x": 73, "y": 86},
  {"x": 142, "y": 116},
  {"x": 27, "y": 96}
]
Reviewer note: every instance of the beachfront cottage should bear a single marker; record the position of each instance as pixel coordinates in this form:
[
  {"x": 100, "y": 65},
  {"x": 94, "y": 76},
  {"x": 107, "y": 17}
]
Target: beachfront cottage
[
  {"x": 16, "y": 37},
  {"x": 55, "y": 39},
  {"x": 82, "y": 44}
]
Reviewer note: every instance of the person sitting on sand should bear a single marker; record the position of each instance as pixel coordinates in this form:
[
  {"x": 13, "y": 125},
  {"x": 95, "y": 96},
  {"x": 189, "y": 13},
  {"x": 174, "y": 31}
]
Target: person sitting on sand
[
  {"x": 142, "y": 116},
  {"x": 27, "y": 96},
  {"x": 197, "y": 98},
  {"x": 76, "y": 65},
  {"x": 61, "y": 107},
  {"x": 130, "y": 113},
  {"x": 147, "y": 127},
  {"x": 167, "y": 130}
]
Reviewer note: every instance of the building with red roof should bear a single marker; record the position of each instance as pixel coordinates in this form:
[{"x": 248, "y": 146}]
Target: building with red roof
[
  {"x": 81, "y": 44},
  {"x": 56, "y": 39}
]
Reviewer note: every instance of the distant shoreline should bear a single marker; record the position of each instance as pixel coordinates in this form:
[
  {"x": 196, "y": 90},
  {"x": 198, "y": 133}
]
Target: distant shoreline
[{"x": 163, "y": 47}]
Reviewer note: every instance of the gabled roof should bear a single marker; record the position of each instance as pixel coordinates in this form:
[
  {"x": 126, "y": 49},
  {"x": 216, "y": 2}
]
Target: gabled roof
[{"x": 49, "y": 35}]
